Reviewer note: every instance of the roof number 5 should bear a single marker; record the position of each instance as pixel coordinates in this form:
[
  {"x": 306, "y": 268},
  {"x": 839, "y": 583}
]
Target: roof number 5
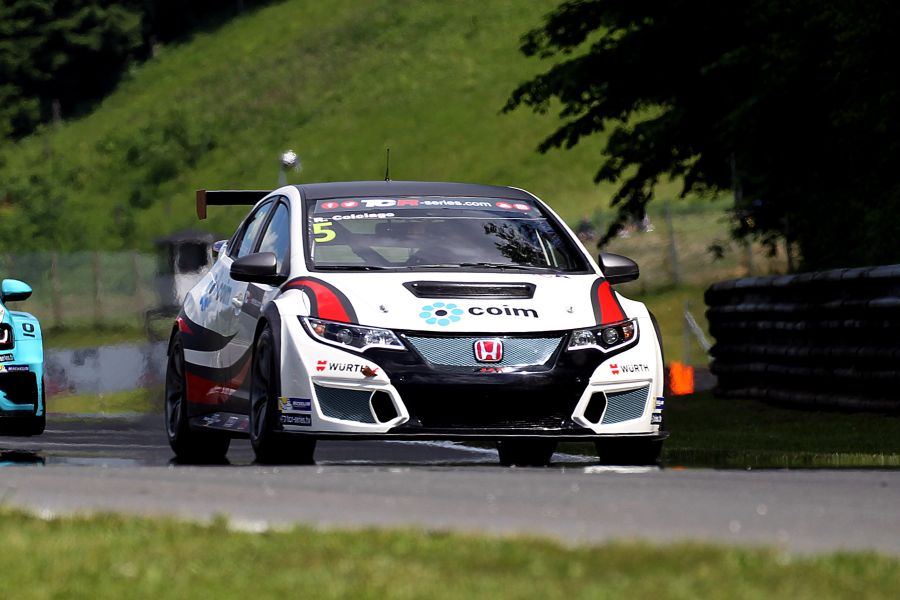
[{"x": 323, "y": 232}]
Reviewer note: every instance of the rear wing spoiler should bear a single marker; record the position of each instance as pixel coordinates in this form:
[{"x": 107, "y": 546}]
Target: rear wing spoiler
[{"x": 227, "y": 198}]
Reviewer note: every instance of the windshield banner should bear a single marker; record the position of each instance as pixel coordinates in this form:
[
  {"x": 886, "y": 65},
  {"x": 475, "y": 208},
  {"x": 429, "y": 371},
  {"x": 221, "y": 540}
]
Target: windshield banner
[{"x": 492, "y": 204}]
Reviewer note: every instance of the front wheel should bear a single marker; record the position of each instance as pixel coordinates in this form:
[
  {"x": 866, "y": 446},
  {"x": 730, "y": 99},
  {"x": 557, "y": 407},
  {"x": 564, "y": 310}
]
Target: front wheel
[
  {"x": 629, "y": 452},
  {"x": 188, "y": 445},
  {"x": 270, "y": 445},
  {"x": 35, "y": 425},
  {"x": 528, "y": 452}
]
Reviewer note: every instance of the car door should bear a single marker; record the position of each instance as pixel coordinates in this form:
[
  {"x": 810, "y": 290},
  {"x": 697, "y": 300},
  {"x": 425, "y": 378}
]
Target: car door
[
  {"x": 274, "y": 238},
  {"x": 234, "y": 358}
]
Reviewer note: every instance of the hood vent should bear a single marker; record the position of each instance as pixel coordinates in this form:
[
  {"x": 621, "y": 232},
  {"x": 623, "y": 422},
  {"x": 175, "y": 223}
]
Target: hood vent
[{"x": 465, "y": 289}]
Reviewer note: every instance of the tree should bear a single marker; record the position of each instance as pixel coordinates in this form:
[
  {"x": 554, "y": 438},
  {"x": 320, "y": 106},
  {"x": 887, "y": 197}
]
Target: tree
[
  {"x": 791, "y": 104},
  {"x": 56, "y": 55}
]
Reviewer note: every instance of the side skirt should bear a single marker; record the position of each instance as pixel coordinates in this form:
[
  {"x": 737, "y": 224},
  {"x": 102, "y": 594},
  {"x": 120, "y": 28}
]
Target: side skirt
[{"x": 235, "y": 424}]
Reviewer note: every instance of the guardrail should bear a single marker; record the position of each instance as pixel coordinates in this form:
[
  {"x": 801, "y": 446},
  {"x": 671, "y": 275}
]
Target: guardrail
[{"x": 826, "y": 339}]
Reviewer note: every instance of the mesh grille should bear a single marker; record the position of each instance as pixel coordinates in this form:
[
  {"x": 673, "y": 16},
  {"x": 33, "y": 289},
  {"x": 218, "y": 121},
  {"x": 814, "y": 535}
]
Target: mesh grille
[
  {"x": 624, "y": 406},
  {"x": 458, "y": 352},
  {"x": 349, "y": 405}
]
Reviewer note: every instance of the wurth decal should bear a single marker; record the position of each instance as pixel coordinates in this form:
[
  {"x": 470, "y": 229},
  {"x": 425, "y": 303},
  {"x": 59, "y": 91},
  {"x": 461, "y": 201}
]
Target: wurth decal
[
  {"x": 326, "y": 301},
  {"x": 341, "y": 367},
  {"x": 631, "y": 368}
]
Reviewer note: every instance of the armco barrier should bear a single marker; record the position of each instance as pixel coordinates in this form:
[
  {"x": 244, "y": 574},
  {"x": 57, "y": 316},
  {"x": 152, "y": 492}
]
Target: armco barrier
[{"x": 829, "y": 339}]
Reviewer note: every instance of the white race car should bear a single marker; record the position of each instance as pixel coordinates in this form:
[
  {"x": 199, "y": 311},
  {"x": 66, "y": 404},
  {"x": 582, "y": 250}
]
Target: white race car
[{"x": 410, "y": 311}]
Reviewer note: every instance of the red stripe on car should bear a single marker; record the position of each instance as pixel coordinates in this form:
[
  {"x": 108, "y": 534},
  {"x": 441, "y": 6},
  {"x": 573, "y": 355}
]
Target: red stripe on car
[
  {"x": 183, "y": 326},
  {"x": 610, "y": 310},
  {"x": 327, "y": 302},
  {"x": 201, "y": 390}
]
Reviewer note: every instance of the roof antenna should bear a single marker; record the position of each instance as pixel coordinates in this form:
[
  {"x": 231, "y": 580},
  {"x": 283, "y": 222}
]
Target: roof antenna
[{"x": 387, "y": 166}]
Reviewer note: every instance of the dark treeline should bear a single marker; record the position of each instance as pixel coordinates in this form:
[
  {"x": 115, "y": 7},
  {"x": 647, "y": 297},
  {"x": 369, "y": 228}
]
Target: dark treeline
[
  {"x": 791, "y": 105},
  {"x": 58, "y": 57}
]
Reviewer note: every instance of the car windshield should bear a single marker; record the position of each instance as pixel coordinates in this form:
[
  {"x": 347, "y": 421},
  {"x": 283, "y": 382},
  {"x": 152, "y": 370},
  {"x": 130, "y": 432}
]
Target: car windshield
[{"x": 433, "y": 233}]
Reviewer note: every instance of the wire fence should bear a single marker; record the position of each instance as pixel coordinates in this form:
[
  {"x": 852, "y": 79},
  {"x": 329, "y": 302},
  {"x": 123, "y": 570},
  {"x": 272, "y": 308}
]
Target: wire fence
[
  {"x": 112, "y": 288},
  {"x": 86, "y": 287},
  {"x": 693, "y": 250}
]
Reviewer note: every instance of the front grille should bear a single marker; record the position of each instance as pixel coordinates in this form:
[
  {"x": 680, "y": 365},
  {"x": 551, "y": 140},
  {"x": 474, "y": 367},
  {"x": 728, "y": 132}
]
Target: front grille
[
  {"x": 349, "y": 405},
  {"x": 470, "y": 407},
  {"x": 458, "y": 351},
  {"x": 624, "y": 406},
  {"x": 19, "y": 387}
]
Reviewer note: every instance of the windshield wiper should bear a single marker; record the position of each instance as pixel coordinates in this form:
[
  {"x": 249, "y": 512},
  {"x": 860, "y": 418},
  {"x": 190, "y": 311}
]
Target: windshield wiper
[
  {"x": 350, "y": 268},
  {"x": 490, "y": 265}
]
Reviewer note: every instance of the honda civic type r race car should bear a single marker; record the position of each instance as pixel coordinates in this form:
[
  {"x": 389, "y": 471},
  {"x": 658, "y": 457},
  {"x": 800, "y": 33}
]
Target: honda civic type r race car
[
  {"x": 410, "y": 310},
  {"x": 21, "y": 365}
]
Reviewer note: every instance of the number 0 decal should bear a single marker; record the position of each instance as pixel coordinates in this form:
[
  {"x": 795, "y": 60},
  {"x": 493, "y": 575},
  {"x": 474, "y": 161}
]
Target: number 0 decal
[
  {"x": 323, "y": 232},
  {"x": 27, "y": 329}
]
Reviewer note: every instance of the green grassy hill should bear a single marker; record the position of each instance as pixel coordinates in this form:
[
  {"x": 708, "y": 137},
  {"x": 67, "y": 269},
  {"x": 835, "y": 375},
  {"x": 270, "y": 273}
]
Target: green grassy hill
[{"x": 337, "y": 81}]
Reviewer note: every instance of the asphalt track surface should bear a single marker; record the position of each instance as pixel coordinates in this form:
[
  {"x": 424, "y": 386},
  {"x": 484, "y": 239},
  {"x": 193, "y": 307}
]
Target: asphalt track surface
[{"x": 125, "y": 465}]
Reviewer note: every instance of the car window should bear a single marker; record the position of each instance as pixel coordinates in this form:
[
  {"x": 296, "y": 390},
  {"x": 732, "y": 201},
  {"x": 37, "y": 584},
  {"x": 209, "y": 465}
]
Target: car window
[
  {"x": 244, "y": 240},
  {"x": 438, "y": 232},
  {"x": 277, "y": 238}
]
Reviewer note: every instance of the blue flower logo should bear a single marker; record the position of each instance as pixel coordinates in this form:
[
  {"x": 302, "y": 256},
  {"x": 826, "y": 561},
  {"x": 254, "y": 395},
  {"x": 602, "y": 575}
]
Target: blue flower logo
[{"x": 440, "y": 313}]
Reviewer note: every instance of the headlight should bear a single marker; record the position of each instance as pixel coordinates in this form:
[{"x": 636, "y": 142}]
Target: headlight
[
  {"x": 606, "y": 337},
  {"x": 7, "y": 338},
  {"x": 352, "y": 336}
]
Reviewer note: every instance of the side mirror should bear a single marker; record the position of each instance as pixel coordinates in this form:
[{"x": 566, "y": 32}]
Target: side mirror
[
  {"x": 617, "y": 268},
  {"x": 13, "y": 290},
  {"x": 261, "y": 267},
  {"x": 217, "y": 247}
]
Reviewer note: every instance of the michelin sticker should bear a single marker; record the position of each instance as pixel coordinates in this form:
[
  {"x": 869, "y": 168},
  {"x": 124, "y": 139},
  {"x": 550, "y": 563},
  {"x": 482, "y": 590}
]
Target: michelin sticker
[{"x": 286, "y": 404}]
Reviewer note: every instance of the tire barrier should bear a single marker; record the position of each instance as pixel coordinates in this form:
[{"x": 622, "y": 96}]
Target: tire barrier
[{"x": 822, "y": 339}]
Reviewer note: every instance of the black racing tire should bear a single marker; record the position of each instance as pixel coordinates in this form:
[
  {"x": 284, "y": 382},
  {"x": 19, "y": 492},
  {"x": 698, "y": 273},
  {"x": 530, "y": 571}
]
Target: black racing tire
[
  {"x": 270, "y": 445},
  {"x": 38, "y": 423},
  {"x": 629, "y": 452},
  {"x": 35, "y": 425},
  {"x": 189, "y": 445},
  {"x": 526, "y": 452}
]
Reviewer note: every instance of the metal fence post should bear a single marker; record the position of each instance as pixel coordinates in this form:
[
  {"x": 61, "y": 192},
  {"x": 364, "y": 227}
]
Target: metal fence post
[
  {"x": 55, "y": 292},
  {"x": 98, "y": 306},
  {"x": 673, "y": 251},
  {"x": 138, "y": 285}
]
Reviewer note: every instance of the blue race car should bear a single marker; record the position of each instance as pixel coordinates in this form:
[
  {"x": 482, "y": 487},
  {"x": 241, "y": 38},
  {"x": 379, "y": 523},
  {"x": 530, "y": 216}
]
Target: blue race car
[{"x": 22, "y": 410}]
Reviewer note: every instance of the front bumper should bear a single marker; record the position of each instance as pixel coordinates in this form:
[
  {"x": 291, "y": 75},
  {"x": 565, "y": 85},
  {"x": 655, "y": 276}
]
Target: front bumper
[
  {"x": 20, "y": 392},
  {"x": 409, "y": 397}
]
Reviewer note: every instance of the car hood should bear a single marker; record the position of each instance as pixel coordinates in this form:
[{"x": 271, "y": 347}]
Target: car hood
[{"x": 448, "y": 302}]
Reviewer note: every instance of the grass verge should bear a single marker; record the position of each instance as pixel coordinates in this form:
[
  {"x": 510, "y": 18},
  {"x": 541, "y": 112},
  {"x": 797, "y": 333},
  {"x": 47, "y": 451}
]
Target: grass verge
[
  {"x": 710, "y": 432},
  {"x": 142, "y": 400},
  {"x": 119, "y": 557},
  {"x": 747, "y": 433}
]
